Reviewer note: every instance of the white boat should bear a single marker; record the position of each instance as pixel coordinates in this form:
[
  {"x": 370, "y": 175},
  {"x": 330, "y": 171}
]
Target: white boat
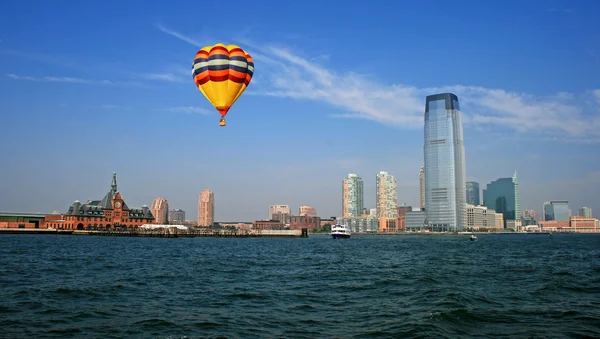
[
  {"x": 473, "y": 237},
  {"x": 340, "y": 231}
]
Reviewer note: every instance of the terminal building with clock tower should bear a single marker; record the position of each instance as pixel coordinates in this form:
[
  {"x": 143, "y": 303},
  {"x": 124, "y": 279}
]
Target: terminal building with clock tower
[{"x": 109, "y": 213}]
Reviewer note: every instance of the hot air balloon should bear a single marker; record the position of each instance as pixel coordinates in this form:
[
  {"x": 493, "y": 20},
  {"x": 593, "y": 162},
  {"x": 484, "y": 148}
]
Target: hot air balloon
[{"x": 222, "y": 73}]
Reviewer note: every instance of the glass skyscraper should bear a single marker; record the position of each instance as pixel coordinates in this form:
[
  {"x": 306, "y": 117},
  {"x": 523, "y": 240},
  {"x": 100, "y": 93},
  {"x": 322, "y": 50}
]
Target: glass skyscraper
[
  {"x": 585, "y": 212},
  {"x": 445, "y": 177},
  {"x": 557, "y": 210},
  {"x": 502, "y": 195},
  {"x": 473, "y": 193}
]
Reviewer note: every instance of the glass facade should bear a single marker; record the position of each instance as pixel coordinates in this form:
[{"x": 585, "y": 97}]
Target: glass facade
[
  {"x": 585, "y": 212},
  {"x": 557, "y": 210},
  {"x": 502, "y": 195},
  {"x": 445, "y": 177},
  {"x": 473, "y": 193}
]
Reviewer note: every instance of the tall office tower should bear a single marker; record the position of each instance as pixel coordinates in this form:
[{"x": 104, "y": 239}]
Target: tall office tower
[
  {"x": 502, "y": 196},
  {"x": 206, "y": 208},
  {"x": 176, "y": 215},
  {"x": 445, "y": 177},
  {"x": 473, "y": 193},
  {"x": 307, "y": 211},
  {"x": 352, "y": 196},
  {"x": 422, "y": 186},
  {"x": 585, "y": 212},
  {"x": 386, "y": 195},
  {"x": 557, "y": 210},
  {"x": 160, "y": 210}
]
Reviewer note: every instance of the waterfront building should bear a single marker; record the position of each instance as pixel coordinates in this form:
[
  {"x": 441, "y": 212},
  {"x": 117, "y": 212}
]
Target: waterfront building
[
  {"x": 499, "y": 220},
  {"x": 298, "y": 222},
  {"x": 473, "y": 193},
  {"x": 528, "y": 217},
  {"x": 177, "y": 215},
  {"x": 585, "y": 212},
  {"x": 109, "y": 213},
  {"x": 502, "y": 195},
  {"x": 362, "y": 224},
  {"x": 267, "y": 225},
  {"x": 386, "y": 195},
  {"x": 386, "y": 198},
  {"x": 34, "y": 220},
  {"x": 160, "y": 210},
  {"x": 416, "y": 221},
  {"x": 281, "y": 216},
  {"x": 401, "y": 218},
  {"x": 352, "y": 196},
  {"x": 274, "y": 209},
  {"x": 480, "y": 217},
  {"x": 557, "y": 210},
  {"x": 307, "y": 211},
  {"x": 444, "y": 155},
  {"x": 422, "y": 187},
  {"x": 206, "y": 208},
  {"x": 280, "y": 212}
]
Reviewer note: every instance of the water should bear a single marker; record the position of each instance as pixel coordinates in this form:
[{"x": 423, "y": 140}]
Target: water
[{"x": 514, "y": 286}]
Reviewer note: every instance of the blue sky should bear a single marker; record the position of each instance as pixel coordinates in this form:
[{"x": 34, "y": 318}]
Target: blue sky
[{"x": 92, "y": 87}]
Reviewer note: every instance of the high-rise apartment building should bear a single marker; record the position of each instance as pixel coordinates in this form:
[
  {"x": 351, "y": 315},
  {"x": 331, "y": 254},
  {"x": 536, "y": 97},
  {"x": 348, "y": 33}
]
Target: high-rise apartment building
[
  {"x": 160, "y": 210},
  {"x": 275, "y": 209},
  {"x": 473, "y": 193},
  {"x": 307, "y": 211},
  {"x": 177, "y": 215},
  {"x": 585, "y": 212},
  {"x": 352, "y": 196},
  {"x": 502, "y": 195},
  {"x": 386, "y": 195},
  {"x": 444, "y": 155},
  {"x": 206, "y": 208},
  {"x": 422, "y": 187}
]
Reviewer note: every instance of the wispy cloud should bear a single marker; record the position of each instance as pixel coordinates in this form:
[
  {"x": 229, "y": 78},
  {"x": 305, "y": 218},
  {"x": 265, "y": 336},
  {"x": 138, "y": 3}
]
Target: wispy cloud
[
  {"x": 170, "y": 77},
  {"x": 179, "y": 36},
  {"x": 190, "y": 110},
  {"x": 59, "y": 79},
  {"x": 561, "y": 116},
  {"x": 73, "y": 80}
]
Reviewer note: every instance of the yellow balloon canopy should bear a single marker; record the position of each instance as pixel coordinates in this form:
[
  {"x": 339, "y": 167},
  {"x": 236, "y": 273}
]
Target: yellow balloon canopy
[{"x": 222, "y": 73}]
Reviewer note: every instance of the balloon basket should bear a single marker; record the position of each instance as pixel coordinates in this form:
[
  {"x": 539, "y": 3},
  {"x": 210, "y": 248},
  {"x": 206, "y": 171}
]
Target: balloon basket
[{"x": 222, "y": 122}]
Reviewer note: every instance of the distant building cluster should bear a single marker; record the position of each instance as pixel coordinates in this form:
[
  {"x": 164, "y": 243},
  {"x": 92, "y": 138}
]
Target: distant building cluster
[{"x": 447, "y": 202}]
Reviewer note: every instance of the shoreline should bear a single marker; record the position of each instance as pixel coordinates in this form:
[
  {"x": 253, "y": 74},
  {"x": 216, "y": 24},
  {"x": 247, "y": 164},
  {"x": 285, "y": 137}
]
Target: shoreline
[{"x": 245, "y": 234}]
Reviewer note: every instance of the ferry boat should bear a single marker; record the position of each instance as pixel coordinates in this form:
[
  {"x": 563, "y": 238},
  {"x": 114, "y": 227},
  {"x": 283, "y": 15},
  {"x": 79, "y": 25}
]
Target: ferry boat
[{"x": 340, "y": 231}]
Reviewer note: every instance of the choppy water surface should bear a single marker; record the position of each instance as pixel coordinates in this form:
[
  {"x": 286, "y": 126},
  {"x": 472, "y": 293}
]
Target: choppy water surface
[{"x": 530, "y": 286}]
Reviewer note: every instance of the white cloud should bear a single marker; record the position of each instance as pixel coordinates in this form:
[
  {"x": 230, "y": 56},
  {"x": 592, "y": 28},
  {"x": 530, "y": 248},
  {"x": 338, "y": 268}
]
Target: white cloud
[
  {"x": 164, "y": 76},
  {"x": 59, "y": 79},
  {"x": 561, "y": 116},
  {"x": 166, "y": 30},
  {"x": 71, "y": 80},
  {"x": 190, "y": 110}
]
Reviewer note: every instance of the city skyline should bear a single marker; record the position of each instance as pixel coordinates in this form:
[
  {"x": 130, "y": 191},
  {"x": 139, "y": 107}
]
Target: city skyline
[{"x": 320, "y": 105}]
